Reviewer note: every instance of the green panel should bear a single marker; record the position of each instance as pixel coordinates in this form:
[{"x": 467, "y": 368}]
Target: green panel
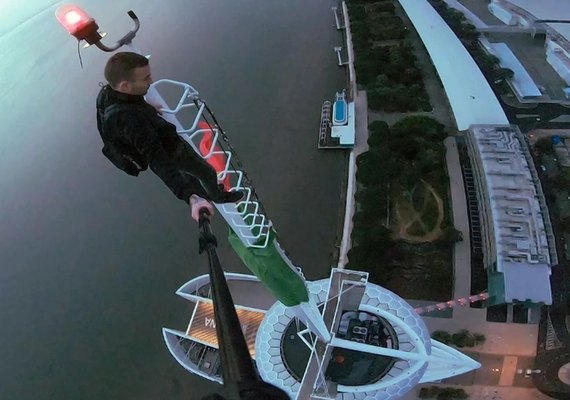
[
  {"x": 496, "y": 288},
  {"x": 284, "y": 283}
]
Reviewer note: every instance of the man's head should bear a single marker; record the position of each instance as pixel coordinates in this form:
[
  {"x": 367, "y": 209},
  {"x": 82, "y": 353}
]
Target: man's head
[{"x": 128, "y": 73}]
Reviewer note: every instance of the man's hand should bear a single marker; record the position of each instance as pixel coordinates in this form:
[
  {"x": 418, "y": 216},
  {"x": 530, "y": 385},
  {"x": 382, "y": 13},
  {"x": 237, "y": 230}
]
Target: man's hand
[{"x": 197, "y": 203}]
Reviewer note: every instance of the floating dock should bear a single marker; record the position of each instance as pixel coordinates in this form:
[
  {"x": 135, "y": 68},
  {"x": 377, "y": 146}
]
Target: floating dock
[{"x": 336, "y": 130}]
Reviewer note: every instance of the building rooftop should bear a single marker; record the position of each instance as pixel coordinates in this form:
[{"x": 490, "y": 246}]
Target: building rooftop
[
  {"x": 470, "y": 96},
  {"x": 544, "y": 9},
  {"x": 202, "y": 325},
  {"x": 555, "y": 11},
  {"x": 519, "y": 227},
  {"x": 522, "y": 82}
]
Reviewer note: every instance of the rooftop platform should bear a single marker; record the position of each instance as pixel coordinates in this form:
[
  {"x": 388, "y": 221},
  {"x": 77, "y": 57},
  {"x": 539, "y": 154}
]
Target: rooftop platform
[{"x": 202, "y": 326}]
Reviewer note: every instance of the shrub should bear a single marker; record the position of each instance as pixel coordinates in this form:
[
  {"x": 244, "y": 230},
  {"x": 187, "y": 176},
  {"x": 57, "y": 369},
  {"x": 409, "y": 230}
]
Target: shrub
[
  {"x": 462, "y": 338},
  {"x": 418, "y": 125},
  {"x": 379, "y": 134},
  {"x": 451, "y": 394},
  {"x": 387, "y": 7},
  {"x": 441, "y": 336},
  {"x": 544, "y": 146},
  {"x": 356, "y": 13},
  {"x": 429, "y": 392},
  {"x": 479, "y": 338}
]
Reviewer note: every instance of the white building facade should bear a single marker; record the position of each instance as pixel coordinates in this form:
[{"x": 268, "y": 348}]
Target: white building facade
[
  {"x": 544, "y": 16},
  {"x": 518, "y": 243}
]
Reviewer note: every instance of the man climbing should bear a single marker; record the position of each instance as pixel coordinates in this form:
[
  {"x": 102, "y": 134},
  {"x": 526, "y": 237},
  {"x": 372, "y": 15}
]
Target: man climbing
[{"x": 135, "y": 136}]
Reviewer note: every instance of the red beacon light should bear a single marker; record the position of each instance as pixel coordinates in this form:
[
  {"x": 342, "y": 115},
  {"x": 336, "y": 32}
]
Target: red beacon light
[{"x": 78, "y": 23}]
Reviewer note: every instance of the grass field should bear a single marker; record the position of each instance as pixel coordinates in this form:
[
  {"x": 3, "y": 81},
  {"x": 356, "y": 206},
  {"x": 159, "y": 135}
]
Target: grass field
[{"x": 418, "y": 215}]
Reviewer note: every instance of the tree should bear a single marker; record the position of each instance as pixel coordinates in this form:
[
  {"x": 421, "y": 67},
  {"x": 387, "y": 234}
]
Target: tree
[
  {"x": 418, "y": 125},
  {"x": 370, "y": 248},
  {"x": 409, "y": 176},
  {"x": 463, "y": 338},
  {"x": 410, "y": 75},
  {"x": 379, "y": 98},
  {"x": 479, "y": 338},
  {"x": 504, "y": 73},
  {"x": 373, "y": 199},
  {"x": 429, "y": 392},
  {"x": 424, "y": 393},
  {"x": 357, "y": 13},
  {"x": 382, "y": 80},
  {"x": 441, "y": 336},
  {"x": 405, "y": 147},
  {"x": 451, "y": 394},
  {"x": 470, "y": 33},
  {"x": 383, "y": 7},
  {"x": 450, "y": 236},
  {"x": 379, "y": 134},
  {"x": 454, "y": 18},
  {"x": 429, "y": 160},
  {"x": 357, "y": 257},
  {"x": 488, "y": 62},
  {"x": 544, "y": 146},
  {"x": 369, "y": 171}
]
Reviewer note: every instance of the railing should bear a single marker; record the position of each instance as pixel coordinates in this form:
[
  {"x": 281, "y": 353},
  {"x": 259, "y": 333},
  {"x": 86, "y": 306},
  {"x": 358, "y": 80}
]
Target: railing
[{"x": 247, "y": 217}]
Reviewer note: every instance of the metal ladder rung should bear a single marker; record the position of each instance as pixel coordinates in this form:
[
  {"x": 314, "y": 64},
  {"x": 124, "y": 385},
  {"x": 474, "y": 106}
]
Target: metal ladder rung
[
  {"x": 246, "y": 217},
  {"x": 214, "y": 140},
  {"x": 261, "y": 225},
  {"x": 262, "y": 245},
  {"x": 196, "y": 120}
]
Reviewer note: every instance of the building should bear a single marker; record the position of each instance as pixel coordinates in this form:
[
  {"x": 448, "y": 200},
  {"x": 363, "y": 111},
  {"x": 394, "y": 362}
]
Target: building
[
  {"x": 518, "y": 243},
  {"x": 380, "y": 347},
  {"x": 551, "y": 17}
]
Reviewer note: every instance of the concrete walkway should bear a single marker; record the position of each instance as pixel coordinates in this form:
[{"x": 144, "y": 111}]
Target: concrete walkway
[
  {"x": 462, "y": 250},
  {"x": 360, "y": 146}
]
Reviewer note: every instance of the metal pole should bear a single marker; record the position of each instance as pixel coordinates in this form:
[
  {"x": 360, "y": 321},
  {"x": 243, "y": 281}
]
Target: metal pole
[{"x": 239, "y": 374}]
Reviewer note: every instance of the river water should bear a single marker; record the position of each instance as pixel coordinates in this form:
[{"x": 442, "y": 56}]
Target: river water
[{"x": 90, "y": 258}]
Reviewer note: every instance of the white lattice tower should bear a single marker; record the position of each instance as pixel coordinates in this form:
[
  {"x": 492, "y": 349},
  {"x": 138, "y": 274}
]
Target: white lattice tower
[{"x": 247, "y": 217}]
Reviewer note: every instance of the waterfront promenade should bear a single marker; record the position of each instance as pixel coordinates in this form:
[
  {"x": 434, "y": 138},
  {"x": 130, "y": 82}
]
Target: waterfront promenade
[{"x": 360, "y": 146}]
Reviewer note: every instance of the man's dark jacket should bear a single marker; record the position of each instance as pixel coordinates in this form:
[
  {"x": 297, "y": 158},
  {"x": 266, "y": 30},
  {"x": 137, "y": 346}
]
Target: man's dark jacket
[{"x": 139, "y": 126}]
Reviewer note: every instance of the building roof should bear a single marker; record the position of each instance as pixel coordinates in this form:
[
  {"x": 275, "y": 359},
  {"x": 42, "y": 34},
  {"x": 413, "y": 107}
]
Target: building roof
[
  {"x": 470, "y": 96},
  {"x": 544, "y": 9},
  {"x": 563, "y": 29},
  {"x": 533, "y": 10},
  {"x": 521, "y": 81},
  {"x": 533, "y": 287},
  {"x": 520, "y": 234},
  {"x": 202, "y": 326}
]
